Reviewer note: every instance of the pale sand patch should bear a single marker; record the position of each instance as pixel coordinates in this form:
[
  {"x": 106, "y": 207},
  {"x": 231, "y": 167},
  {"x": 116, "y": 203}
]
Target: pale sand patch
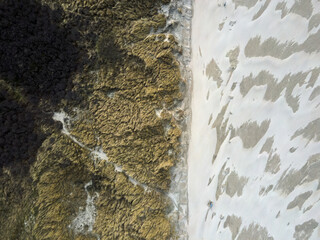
[
  {"x": 235, "y": 184},
  {"x": 314, "y": 21},
  {"x": 276, "y": 87},
  {"x": 294, "y": 178},
  {"x": 274, "y": 48},
  {"x": 303, "y": 8},
  {"x": 233, "y": 223},
  {"x": 245, "y": 3},
  {"x": 315, "y": 93},
  {"x": 233, "y": 57},
  {"x": 310, "y": 132},
  {"x": 251, "y": 132},
  {"x": 261, "y": 10},
  {"x": 299, "y": 200},
  {"x": 305, "y": 230},
  {"x": 221, "y": 129},
  {"x": 267, "y": 145},
  {"x": 273, "y": 164},
  {"x": 254, "y": 232},
  {"x": 213, "y": 71}
]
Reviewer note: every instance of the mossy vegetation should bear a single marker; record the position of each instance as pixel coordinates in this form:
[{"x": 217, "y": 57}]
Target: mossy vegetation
[{"x": 126, "y": 72}]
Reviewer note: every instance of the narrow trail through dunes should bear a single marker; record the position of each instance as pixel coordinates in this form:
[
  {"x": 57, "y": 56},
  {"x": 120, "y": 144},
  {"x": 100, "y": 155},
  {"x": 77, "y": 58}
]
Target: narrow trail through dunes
[{"x": 98, "y": 155}]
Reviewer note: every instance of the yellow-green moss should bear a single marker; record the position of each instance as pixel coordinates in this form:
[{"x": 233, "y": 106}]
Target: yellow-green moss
[
  {"x": 59, "y": 174},
  {"x": 133, "y": 72}
]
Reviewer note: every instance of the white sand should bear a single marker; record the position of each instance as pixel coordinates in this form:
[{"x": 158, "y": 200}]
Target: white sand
[{"x": 255, "y": 134}]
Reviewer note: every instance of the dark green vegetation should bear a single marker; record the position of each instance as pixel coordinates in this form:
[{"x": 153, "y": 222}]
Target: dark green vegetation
[{"x": 99, "y": 57}]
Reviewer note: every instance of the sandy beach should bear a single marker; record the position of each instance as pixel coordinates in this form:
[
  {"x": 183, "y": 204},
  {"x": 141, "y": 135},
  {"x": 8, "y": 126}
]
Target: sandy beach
[{"x": 255, "y": 128}]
